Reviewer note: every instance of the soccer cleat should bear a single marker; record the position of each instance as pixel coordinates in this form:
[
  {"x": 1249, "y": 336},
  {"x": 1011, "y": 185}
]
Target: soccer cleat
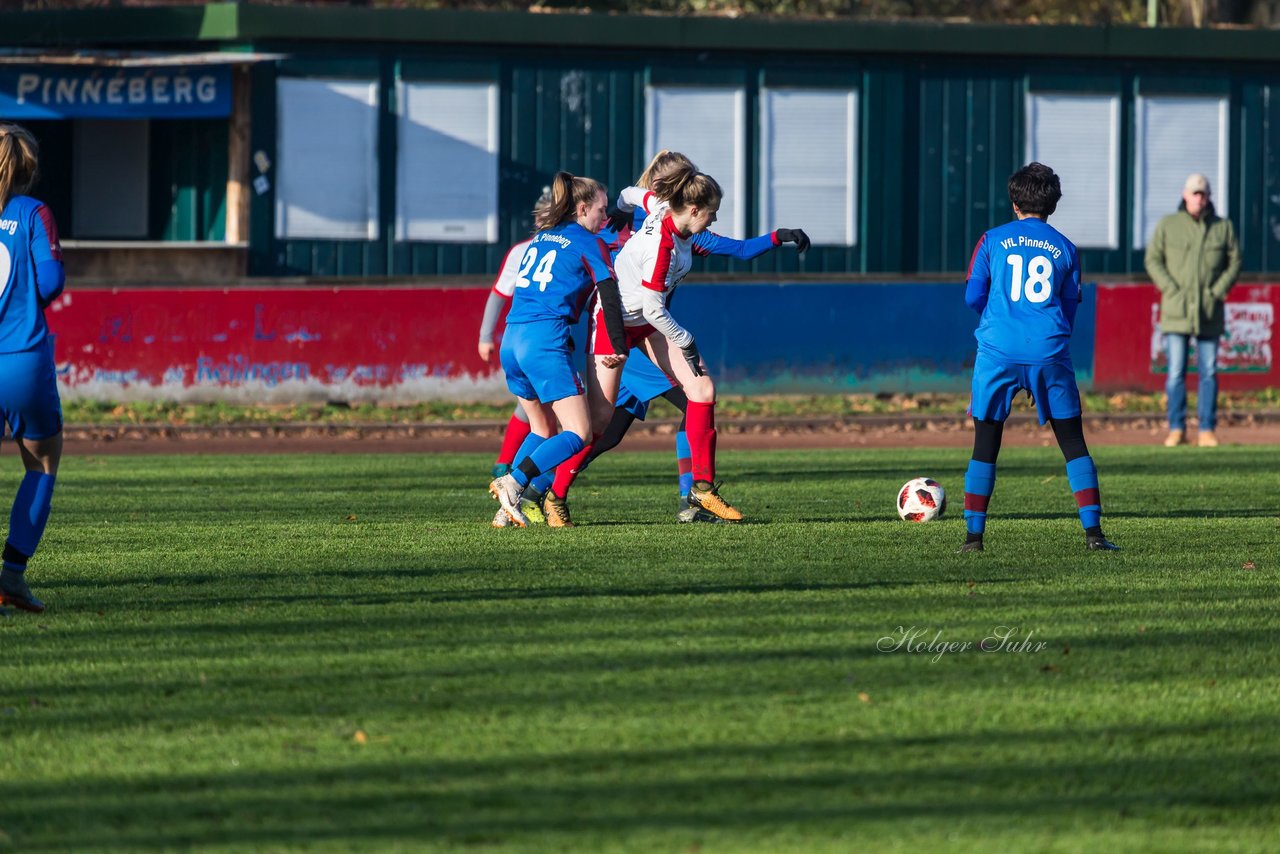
[
  {"x": 686, "y": 513},
  {"x": 1099, "y": 543},
  {"x": 499, "y": 469},
  {"x": 531, "y": 506},
  {"x": 1206, "y": 439},
  {"x": 707, "y": 497},
  {"x": 972, "y": 546},
  {"x": 501, "y": 519},
  {"x": 507, "y": 493},
  {"x": 1175, "y": 438},
  {"x": 15, "y": 593},
  {"x": 556, "y": 511},
  {"x": 689, "y": 514}
]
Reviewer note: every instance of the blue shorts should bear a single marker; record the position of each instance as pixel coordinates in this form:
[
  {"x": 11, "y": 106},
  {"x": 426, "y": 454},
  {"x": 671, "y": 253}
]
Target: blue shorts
[
  {"x": 642, "y": 381},
  {"x": 996, "y": 382},
  {"x": 538, "y": 360},
  {"x": 29, "y": 393}
]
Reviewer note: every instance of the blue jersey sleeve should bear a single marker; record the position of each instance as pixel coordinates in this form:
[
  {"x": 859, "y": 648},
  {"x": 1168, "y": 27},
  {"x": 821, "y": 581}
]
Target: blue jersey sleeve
[
  {"x": 978, "y": 279},
  {"x": 46, "y": 251},
  {"x": 710, "y": 243}
]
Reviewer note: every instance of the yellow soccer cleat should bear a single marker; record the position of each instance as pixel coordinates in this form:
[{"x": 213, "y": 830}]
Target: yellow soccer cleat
[
  {"x": 556, "y": 511},
  {"x": 707, "y": 496}
]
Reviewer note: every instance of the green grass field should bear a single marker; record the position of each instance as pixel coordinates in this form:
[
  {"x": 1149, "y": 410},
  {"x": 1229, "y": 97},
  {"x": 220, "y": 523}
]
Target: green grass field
[{"x": 336, "y": 652}]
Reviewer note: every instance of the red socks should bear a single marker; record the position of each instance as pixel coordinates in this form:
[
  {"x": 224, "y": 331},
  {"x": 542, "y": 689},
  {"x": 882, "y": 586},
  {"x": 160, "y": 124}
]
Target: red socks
[
  {"x": 516, "y": 431},
  {"x": 700, "y": 428},
  {"x": 567, "y": 471}
]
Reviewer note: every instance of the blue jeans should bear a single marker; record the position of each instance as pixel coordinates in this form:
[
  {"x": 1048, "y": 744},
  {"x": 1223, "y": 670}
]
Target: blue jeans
[{"x": 1176, "y": 385}]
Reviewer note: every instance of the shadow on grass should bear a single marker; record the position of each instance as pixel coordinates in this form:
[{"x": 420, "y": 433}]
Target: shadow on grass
[{"x": 986, "y": 778}]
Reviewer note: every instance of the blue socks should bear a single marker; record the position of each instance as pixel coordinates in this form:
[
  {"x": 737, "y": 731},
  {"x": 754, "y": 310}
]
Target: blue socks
[
  {"x": 27, "y": 519},
  {"x": 979, "y": 483},
  {"x": 1082, "y": 474},
  {"x": 530, "y": 444},
  {"x": 684, "y": 463},
  {"x": 554, "y": 451}
]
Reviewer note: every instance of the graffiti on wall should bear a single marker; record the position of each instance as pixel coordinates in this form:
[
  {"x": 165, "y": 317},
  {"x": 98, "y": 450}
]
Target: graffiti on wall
[
  {"x": 1130, "y": 348},
  {"x": 282, "y": 345},
  {"x": 1245, "y": 346}
]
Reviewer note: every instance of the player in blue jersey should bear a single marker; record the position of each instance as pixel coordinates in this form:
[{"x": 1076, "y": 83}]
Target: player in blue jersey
[
  {"x": 1024, "y": 281},
  {"x": 31, "y": 269},
  {"x": 641, "y": 380},
  {"x": 562, "y": 268}
]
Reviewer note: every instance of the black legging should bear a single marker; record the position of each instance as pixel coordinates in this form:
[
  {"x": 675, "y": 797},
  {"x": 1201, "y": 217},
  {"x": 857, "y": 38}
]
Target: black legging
[
  {"x": 622, "y": 421},
  {"x": 1069, "y": 432}
]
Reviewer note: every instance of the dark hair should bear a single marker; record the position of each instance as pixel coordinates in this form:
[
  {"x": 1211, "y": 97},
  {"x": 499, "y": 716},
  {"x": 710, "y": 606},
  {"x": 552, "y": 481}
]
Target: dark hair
[
  {"x": 567, "y": 192},
  {"x": 1035, "y": 189}
]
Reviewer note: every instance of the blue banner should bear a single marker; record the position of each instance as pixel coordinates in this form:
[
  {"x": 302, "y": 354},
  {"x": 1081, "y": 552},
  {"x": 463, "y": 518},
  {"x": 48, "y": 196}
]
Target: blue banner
[{"x": 157, "y": 92}]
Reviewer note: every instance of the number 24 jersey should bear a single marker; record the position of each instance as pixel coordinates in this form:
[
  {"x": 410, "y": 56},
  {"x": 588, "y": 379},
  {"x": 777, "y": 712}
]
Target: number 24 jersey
[
  {"x": 558, "y": 274},
  {"x": 1028, "y": 269}
]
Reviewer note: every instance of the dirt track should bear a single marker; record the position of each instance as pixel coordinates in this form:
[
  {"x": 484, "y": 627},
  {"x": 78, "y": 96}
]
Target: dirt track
[{"x": 869, "y": 432}]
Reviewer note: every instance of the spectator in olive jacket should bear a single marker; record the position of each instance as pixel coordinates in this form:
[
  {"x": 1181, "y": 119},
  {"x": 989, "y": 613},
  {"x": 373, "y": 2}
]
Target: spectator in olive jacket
[{"x": 1194, "y": 260}]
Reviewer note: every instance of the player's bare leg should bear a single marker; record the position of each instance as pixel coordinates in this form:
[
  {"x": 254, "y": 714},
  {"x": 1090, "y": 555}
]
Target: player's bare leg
[
  {"x": 700, "y": 389},
  {"x": 604, "y": 374}
]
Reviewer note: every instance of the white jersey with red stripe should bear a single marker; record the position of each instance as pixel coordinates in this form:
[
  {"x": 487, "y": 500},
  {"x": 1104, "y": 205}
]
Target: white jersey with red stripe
[
  {"x": 505, "y": 284},
  {"x": 649, "y": 267}
]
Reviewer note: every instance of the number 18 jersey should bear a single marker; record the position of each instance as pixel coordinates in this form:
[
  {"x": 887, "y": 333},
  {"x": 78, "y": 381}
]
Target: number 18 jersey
[{"x": 1028, "y": 270}]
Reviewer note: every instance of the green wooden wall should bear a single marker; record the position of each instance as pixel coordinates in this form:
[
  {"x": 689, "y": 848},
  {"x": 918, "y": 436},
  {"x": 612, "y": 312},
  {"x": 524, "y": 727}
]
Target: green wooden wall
[{"x": 939, "y": 136}]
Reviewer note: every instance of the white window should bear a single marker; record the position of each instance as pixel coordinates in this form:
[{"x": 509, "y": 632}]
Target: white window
[
  {"x": 447, "y": 162},
  {"x": 1176, "y": 136},
  {"x": 808, "y": 163},
  {"x": 708, "y": 125},
  {"x": 327, "y": 178},
  {"x": 1078, "y": 136}
]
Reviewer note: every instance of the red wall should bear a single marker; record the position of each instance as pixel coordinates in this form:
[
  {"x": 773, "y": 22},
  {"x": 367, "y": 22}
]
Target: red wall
[
  {"x": 291, "y": 344},
  {"x": 1127, "y": 350},
  {"x": 117, "y": 343}
]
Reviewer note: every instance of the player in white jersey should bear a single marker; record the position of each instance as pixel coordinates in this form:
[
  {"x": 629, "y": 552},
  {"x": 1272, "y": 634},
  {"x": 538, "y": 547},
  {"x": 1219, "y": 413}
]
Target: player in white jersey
[{"x": 649, "y": 268}]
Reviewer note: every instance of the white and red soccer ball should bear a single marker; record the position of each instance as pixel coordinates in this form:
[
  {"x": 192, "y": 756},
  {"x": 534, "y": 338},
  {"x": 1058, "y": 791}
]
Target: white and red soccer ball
[{"x": 921, "y": 499}]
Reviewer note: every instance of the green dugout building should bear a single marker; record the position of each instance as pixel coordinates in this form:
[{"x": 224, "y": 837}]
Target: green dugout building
[{"x": 229, "y": 141}]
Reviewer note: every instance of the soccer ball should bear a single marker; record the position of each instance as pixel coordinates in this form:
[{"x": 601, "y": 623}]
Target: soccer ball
[{"x": 921, "y": 499}]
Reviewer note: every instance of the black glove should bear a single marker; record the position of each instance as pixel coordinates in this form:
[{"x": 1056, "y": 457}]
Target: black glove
[
  {"x": 619, "y": 220},
  {"x": 794, "y": 235},
  {"x": 693, "y": 357}
]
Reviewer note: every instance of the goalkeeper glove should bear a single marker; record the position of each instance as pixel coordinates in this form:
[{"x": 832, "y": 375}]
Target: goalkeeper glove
[
  {"x": 794, "y": 235},
  {"x": 693, "y": 357},
  {"x": 619, "y": 220}
]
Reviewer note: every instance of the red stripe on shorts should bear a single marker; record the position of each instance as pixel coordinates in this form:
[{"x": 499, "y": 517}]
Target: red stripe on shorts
[{"x": 600, "y": 343}]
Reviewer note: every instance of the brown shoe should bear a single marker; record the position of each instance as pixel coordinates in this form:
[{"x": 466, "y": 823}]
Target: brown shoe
[
  {"x": 707, "y": 496},
  {"x": 556, "y": 511},
  {"x": 1175, "y": 438},
  {"x": 1206, "y": 439}
]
